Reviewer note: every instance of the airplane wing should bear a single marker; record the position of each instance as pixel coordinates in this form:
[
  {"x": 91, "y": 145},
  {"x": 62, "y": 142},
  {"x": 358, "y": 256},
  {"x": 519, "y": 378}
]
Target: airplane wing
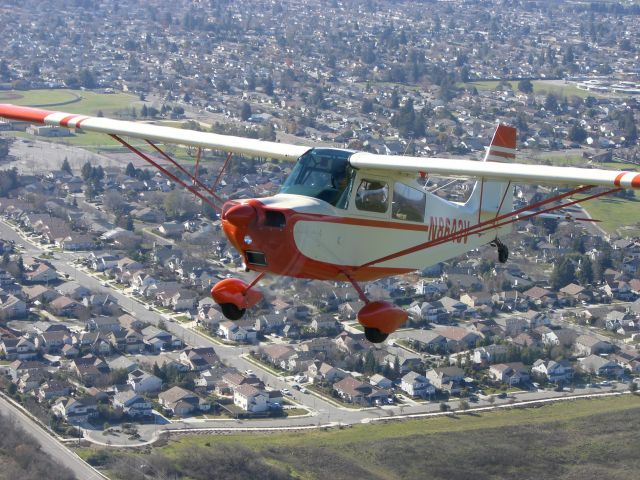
[
  {"x": 227, "y": 143},
  {"x": 502, "y": 147},
  {"x": 515, "y": 172}
]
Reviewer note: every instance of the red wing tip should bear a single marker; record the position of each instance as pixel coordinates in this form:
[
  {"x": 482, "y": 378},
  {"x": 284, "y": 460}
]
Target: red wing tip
[{"x": 23, "y": 114}]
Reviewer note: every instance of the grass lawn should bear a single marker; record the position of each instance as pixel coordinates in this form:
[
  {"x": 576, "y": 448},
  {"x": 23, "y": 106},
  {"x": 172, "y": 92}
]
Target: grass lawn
[
  {"x": 88, "y": 102},
  {"x": 615, "y": 213},
  {"x": 539, "y": 87},
  {"x": 565, "y": 441}
]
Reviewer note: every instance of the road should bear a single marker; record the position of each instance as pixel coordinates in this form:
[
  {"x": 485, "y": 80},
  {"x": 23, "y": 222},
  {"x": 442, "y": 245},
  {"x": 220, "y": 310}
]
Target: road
[{"x": 50, "y": 445}]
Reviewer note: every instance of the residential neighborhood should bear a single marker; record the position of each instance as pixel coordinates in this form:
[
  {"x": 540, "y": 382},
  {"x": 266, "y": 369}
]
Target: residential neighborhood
[{"x": 106, "y": 268}]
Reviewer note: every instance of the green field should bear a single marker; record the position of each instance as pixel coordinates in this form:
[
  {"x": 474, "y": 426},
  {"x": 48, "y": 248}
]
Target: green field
[
  {"x": 567, "y": 440},
  {"x": 615, "y": 214},
  {"x": 539, "y": 87},
  {"x": 86, "y": 102}
]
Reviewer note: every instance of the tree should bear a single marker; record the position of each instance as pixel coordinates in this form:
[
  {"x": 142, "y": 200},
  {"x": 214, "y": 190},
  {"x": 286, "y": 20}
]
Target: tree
[
  {"x": 564, "y": 273},
  {"x": 245, "y": 111},
  {"x": 130, "y": 171},
  {"x": 464, "y": 405},
  {"x": 444, "y": 407},
  {"x": 86, "y": 171},
  {"x": 525, "y": 86},
  {"x": 87, "y": 79},
  {"x": 551, "y": 103},
  {"x": 585, "y": 273},
  {"x": 8, "y": 181},
  {"x": 367, "y": 106},
  {"x": 577, "y": 134},
  {"x": 66, "y": 167},
  {"x": 369, "y": 363}
]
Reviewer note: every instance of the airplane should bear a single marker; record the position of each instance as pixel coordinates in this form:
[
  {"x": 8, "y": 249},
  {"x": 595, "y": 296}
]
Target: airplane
[{"x": 345, "y": 215}]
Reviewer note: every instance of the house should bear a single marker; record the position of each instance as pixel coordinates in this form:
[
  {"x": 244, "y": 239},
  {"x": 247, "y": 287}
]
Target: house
[
  {"x": 158, "y": 339},
  {"x": 590, "y": 345},
  {"x": 417, "y": 385},
  {"x": 381, "y": 381},
  {"x": 251, "y": 399},
  {"x": 52, "y": 342},
  {"x": 171, "y": 229},
  {"x": 129, "y": 322},
  {"x": 65, "y": 306},
  {"x": 18, "y": 368},
  {"x": 509, "y": 373},
  {"x": 143, "y": 382},
  {"x": 511, "y": 325},
  {"x": 352, "y": 390},
  {"x": 11, "y": 307},
  {"x": 91, "y": 369},
  {"x": 181, "y": 402},
  {"x": 600, "y": 366},
  {"x": 75, "y": 411},
  {"x": 103, "y": 324},
  {"x": 321, "y": 371},
  {"x": 458, "y": 338},
  {"x": 43, "y": 273},
  {"x": 489, "y": 354},
  {"x": 234, "y": 332},
  {"x": 552, "y": 371},
  {"x": 18, "y": 348},
  {"x": 563, "y": 337},
  {"x": 132, "y": 404},
  {"x": 448, "y": 379},
  {"x": 126, "y": 340},
  {"x": 53, "y": 389},
  {"x": 277, "y": 354},
  {"x": 198, "y": 359}
]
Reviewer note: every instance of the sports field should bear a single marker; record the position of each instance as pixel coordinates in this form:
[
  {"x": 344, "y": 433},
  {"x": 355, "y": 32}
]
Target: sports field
[{"x": 72, "y": 101}]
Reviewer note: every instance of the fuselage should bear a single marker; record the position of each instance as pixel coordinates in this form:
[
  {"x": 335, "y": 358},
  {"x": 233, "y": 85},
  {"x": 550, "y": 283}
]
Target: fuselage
[{"x": 330, "y": 221}]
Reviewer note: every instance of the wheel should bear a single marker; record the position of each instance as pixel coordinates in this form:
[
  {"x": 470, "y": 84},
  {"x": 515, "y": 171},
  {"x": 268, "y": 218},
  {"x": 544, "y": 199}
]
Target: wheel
[
  {"x": 230, "y": 311},
  {"x": 374, "y": 335}
]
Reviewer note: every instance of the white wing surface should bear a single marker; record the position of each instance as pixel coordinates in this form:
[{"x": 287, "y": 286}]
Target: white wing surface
[
  {"x": 227, "y": 143},
  {"x": 516, "y": 172}
]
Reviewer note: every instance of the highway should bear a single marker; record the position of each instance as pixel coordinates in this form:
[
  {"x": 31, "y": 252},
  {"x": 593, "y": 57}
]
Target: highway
[{"x": 50, "y": 445}]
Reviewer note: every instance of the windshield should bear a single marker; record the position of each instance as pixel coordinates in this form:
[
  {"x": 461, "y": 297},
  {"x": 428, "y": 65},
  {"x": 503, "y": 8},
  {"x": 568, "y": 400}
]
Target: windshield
[{"x": 322, "y": 173}]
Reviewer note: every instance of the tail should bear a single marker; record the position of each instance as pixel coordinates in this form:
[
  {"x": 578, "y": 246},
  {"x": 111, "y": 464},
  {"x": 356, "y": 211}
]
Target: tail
[{"x": 489, "y": 197}]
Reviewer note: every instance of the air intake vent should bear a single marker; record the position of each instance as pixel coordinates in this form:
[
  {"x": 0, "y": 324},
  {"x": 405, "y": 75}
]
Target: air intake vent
[
  {"x": 256, "y": 258},
  {"x": 274, "y": 219}
]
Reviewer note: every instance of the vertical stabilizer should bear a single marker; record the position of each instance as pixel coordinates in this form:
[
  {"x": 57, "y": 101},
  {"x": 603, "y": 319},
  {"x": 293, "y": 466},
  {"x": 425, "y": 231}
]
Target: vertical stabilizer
[{"x": 491, "y": 197}]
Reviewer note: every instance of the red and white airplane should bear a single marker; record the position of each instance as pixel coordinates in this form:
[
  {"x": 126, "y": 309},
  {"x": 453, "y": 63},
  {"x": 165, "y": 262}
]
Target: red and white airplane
[{"x": 353, "y": 216}]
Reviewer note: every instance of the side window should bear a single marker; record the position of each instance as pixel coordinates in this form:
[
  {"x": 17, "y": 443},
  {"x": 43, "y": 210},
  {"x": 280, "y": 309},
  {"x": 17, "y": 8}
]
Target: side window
[
  {"x": 372, "y": 196},
  {"x": 408, "y": 203}
]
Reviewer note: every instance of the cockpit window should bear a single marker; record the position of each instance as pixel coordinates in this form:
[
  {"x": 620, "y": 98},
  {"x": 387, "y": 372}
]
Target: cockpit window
[
  {"x": 324, "y": 174},
  {"x": 372, "y": 196}
]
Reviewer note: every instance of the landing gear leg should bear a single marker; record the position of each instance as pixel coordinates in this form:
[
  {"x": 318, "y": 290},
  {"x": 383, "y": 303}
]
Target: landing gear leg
[{"x": 503, "y": 250}]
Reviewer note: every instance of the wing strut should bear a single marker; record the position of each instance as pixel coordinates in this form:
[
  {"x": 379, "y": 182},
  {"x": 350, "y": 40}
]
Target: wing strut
[
  {"x": 170, "y": 175},
  {"x": 497, "y": 222},
  {"x": 193, "y": 178}
]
